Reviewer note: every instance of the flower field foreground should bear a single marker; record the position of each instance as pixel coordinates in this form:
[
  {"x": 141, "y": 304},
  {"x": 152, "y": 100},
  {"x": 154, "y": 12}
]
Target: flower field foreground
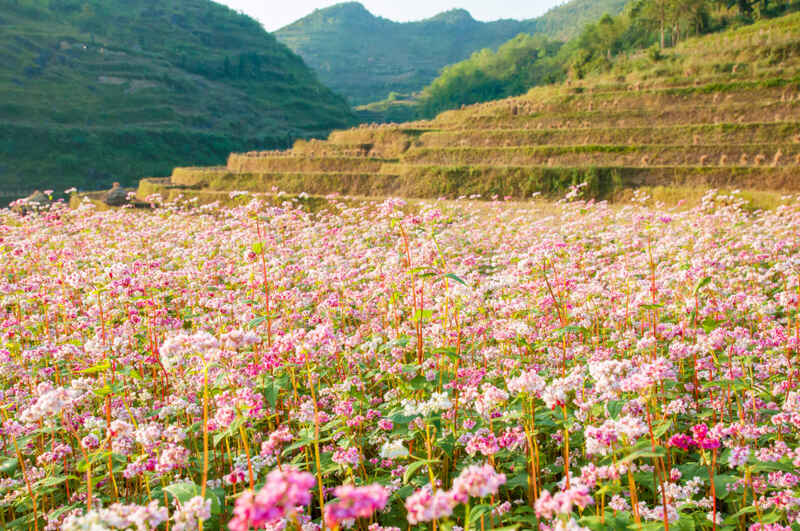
[{"x": 447, "y": 366}]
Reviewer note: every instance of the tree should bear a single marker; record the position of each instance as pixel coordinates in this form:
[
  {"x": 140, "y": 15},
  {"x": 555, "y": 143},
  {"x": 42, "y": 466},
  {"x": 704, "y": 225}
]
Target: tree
[
  {"x": 688, "y": 14},
  {"x": 656, "y": 14}
]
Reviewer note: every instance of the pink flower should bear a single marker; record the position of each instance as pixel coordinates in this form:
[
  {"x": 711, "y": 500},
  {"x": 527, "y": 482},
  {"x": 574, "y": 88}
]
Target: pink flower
[
  {"x": 562, "y": 502},
  {"x": 276, "y": 439},
  {"x": 739, "y": 455},
  {"x": 355, "y": 502},
  {"x": 284, "y": 491},
  {"x": 346, "y": 456},
  {"x": 425, "y": 506},
  {"x": 477, "y": 482}
]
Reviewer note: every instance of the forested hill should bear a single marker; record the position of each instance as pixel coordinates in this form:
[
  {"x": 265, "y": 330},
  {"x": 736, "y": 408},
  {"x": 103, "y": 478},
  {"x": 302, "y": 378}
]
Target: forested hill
[
  {"x": 94, "y": 91},
  {"x": 365, "y": 57}
]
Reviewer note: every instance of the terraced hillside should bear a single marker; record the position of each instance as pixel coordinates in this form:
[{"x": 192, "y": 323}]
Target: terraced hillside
[{"x": 720, "y": 111}]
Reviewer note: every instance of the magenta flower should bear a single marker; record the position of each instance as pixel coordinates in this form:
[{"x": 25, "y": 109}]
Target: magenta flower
[{"x": 681, "y": 441}]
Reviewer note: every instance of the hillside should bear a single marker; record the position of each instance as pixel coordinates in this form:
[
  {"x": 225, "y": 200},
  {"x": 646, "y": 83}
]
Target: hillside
[
  {"x": 717, "y": 111},
  {"x": 365, "y": 57},
  {"x": 95, "y": 91},
  {"x": 528, "y": 61}
]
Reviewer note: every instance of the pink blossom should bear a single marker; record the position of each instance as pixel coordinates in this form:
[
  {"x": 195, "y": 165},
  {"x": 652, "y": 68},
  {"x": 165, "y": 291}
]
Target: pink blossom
[{"x": 355, "y": 502}]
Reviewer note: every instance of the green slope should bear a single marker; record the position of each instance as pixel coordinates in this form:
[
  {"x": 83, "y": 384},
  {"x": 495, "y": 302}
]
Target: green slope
[
  {"x": 365, "y": 57},
  {"x": 100, "y": 90}
]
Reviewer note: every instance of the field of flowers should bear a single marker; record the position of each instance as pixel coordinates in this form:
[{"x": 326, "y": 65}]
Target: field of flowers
[{"x": 444, "y": 366}]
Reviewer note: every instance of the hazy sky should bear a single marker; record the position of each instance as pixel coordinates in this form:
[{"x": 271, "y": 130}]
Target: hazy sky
[{"x": 274, "y": 14}]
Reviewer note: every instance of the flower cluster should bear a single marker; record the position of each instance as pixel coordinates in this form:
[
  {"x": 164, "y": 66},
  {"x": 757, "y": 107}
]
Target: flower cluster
[{"x": 267, "y": 366}]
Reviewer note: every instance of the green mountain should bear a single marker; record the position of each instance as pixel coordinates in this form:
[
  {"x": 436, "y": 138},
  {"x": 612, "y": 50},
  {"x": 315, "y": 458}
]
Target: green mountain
[
  {"x": 95, "y": 91},
  {"x": 365, "y": 57}
]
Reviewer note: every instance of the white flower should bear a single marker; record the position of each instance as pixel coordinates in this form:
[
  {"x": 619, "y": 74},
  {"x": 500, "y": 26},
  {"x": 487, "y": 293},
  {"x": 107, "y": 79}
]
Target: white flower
[{"x": 393, "y": 450}]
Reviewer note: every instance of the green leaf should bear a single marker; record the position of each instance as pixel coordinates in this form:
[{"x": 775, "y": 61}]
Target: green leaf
[
  {"x": 399, "y": 342},
  {"x": 257, "y": 247},
  {"x": 424, "y": 315},
  {"x": 8, "y": 465},
  {"x": 569, "y": 329},
  {"x": 183, "y": 491},
  {"x": 732, "y": 519},
  {"x": 721, "y": 483},
  {"x": 662, "y": 428},
  {"x": 299, "y": 444},
  {"x": 478, "y": 511},
  {"x": 520, "y": 480},
  {"x": 686, "y": 523},
  {"x": 615, "y": 408},
  {"x": 771, "y": 518},
  {"x": 132, "y": 373},
  {"x": 642, "y": 454},
  {"x": 255, "y": 322},
  {"x": 703, "y": 282},
  {"x": 51, "y": 481},
  {"x": 454, "y": 277},
  {"x": 103, "y": 391},
  {"x": 100, "y": 367},
  {"x": 709, "y": 325},
  {"x": 232, "y": 429},
  {"x": 416, "y": 465},
  {"x": 271, "y": 394},
  {"x": 766, "y": 466},
  {"x": 651, "y": 306}
]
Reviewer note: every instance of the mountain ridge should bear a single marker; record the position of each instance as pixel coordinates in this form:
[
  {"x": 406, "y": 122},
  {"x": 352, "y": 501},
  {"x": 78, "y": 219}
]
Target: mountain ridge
[{"x": 365, "y": 57}]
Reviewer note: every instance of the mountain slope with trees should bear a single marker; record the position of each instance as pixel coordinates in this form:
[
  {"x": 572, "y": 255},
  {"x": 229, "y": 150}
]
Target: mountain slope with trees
[
  {"x": 96, "y": 91},
  {"x": 602, "y": 46},
  {"x": 365, "y": 57}
]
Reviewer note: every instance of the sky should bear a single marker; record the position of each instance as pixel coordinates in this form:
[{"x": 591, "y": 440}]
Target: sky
[{"x": 275, "y": 14}]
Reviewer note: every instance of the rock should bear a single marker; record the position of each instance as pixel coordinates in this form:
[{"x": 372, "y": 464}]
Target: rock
[
  {"x": 117, "y": 196},
  {"x": 34, "y": 201}
]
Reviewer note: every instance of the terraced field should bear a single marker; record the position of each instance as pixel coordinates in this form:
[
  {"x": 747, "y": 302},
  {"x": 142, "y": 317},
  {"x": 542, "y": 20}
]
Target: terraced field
[{"x": 721, "y": 111}]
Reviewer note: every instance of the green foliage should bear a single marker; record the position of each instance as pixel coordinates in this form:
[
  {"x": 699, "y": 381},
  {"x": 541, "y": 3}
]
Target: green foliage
[
  {"x": 526, "y": 62},
  {"x": 365, "y": 57},
  {"x": 99, "y": 91},
  {"x": 521, "y": 63}
]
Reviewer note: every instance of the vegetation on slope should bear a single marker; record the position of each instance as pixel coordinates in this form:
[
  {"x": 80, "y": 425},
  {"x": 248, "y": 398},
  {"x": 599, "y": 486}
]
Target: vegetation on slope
[
  {"x": 96, "y": 91},
  {"x": 601, "y": 46},
  {"x": 365, "y": 57}
]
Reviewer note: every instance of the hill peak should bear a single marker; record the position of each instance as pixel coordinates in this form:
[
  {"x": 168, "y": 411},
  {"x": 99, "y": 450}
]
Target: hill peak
[
  {"x": 341, "y": 13},
  {"x": 454, "y": 16},
  {"x": 404, "y": 57}
]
